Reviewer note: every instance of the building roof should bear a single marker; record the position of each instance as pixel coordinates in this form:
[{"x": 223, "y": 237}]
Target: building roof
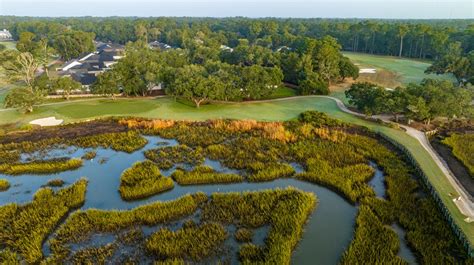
[
  {"x": 159, "y": 45},
  {"x": 84, "y": 78}
]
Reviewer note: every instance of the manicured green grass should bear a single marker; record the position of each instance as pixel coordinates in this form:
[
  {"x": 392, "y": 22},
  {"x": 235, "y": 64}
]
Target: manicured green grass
[
  {"x": 9, "y": 44},
  {"x": 283, "y": 92},
  {"x": 409, "y": 71}
]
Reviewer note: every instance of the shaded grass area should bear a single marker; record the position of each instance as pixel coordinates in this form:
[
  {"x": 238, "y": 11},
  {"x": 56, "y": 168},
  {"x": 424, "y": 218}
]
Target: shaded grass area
[
  {"x": 142, "y": 180},
  {"x": 24, "y": 228},
  {"x": 463, "y": 148}
]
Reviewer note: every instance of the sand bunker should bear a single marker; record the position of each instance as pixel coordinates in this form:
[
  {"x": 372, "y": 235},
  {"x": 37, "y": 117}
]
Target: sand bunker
[
  {"x": 50, "y": 121},
  {"x": 367, "y": 71}
]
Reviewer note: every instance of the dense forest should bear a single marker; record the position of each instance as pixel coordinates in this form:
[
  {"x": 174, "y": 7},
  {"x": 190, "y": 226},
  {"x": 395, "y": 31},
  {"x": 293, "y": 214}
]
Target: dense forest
[{"x": 409, "y": 38}]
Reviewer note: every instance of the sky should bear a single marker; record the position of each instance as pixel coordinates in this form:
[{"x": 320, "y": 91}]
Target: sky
[{"x": 401, "y": 9}]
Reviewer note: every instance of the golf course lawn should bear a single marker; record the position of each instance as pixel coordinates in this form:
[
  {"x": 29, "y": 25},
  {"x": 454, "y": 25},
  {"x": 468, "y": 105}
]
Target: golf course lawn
[
  {"x": 9, "y": 44},
  {"x": 409, "y": 71},
  {"x": 285, "y": 109}
]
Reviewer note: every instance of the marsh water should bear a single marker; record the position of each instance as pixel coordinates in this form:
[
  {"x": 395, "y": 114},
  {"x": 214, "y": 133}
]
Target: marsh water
[{"x": 327, "y": 233}]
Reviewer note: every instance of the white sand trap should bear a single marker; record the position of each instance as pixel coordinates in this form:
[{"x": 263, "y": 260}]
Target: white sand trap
[
  {"x": 367, "y": 71},
  {"x": 50, "y": 121}
]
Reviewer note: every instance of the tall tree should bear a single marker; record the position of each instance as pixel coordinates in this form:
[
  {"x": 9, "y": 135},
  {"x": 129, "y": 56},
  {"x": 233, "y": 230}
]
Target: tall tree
[{"x": 403, "y": 29}]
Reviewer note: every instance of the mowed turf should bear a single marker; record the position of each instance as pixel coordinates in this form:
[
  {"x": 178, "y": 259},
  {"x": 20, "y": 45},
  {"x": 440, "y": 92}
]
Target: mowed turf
[{"x": 408, "y": 70}]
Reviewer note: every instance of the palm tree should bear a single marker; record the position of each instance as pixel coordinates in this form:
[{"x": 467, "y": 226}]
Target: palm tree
[{"x": 402, "y": 31}]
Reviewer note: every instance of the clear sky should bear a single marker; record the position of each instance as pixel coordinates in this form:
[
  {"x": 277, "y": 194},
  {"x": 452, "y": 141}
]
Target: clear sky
[{"x": 248, "y": 8}]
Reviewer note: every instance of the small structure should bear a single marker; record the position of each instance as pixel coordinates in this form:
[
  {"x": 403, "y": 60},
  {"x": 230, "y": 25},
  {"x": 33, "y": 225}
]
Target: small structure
[
  {"x": 5, "y": 35},
  {"x": 159, "y": 45},
  {"x": 226, "y": 48}
]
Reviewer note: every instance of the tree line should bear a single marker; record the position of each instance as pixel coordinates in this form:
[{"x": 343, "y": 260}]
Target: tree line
[
  {"x": 408, "y": 38},
  {"x": 422, "y": 102}
]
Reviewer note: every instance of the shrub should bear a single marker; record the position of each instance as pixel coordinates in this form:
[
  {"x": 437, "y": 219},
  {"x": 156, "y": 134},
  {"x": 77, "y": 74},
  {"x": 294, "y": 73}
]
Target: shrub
[
  {"x": 89, "y": 155},
  {"x": 195, "y": 243},
  {"x": 4, "y": 185},
  {"x": 55, "y": 183},
  {"x": 319, "y": 119},
  {"x": 204, "y": 175},
  {"x": 41, "y": 167},
  {"x": 142, "y": 180},
  {"x": 24, "y": 228}
]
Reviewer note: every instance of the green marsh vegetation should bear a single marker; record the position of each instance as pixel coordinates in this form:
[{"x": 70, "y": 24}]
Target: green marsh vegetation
[
  {"x": 55, "y": 183},
  {"x": 243, "y": 235},
  {"x": 286, "y": 211},
  {"x": 89, "y": 155},
  {"x": 124, "y": 141},
  {"x": 191, "y": 243},
  {"x": 462, "y": 146},
  {"x": 83, "y": 224},
  {"x": 204, "y": 175},
  {"x": 4, "y": 185},
  {"x": 41, "y": 167},
  {"x": 336, "y": 155},
  {"x": 24, "y": 228},
  {"x": 169, "y": 156},
  {"x": 142, "y": 180}
]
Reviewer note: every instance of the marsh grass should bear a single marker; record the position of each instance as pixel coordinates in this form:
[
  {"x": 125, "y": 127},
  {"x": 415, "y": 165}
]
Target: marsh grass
[
  {"x": 204, "y": 175},
  {"x": 190, "y": 243},
  {"x": 268, "y": 172},
  {"x": 82, "y": 224},
  {"x": 142, "y": 180},
  {"x": 167, "y": 157},
  {"x": 89, "y": 155},
  {"x": 285, "y": 210},
  {"x": 129, "y": 142},
  {"x": 55, "y": 183},
  {"x": 243, "y": 235},
  {"x": 4, "y": 185},
  {"x": 41, "y": 167},
  {"x": 23, "y": 228},
  {"x": 96, "y": 255}
]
